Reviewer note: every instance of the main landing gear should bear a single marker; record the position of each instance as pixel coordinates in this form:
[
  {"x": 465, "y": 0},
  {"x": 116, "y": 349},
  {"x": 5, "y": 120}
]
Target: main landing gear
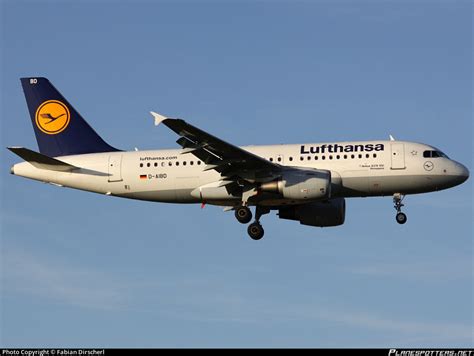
[
  {"x": 397, "y": 201},
  {"x": 255, "y": 230},
  {"x": 244, "y": 215}
]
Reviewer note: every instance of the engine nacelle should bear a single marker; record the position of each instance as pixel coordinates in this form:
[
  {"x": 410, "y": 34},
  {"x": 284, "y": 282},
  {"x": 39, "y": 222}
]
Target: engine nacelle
[
  {"x": 302, "y": 184},
  {"x": 328, "y": 213}
]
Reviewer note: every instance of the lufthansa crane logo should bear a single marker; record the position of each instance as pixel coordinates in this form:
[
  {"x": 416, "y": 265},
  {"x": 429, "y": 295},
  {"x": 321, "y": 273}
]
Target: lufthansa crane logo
[
  {"x": 428, "y": 166},
  {"x": 52, "y": 117}
]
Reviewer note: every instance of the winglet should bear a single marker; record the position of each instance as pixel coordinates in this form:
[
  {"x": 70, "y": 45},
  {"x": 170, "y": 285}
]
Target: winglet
[
  {"x": 391, "y": 138},
  {"x": 158, "y": 118}
]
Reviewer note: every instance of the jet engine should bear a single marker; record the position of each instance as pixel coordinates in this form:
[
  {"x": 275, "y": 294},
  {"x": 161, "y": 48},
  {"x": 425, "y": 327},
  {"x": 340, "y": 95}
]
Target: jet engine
[
  {"x": 327, "y": 213},
  {"x": 301, "y": 184}
]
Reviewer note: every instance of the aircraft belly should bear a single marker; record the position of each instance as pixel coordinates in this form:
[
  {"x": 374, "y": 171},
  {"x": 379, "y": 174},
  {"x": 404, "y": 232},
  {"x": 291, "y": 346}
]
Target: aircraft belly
[
  {"x": 388, "y": 185},
  {"x": 163, "y": 196},
  {"x": 354, "y": 183},
  {"x": 184, "y": 185}
]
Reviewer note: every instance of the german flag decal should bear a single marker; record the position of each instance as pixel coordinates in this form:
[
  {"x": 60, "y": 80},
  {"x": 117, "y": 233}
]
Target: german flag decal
[{"x": 143, "y": 176}]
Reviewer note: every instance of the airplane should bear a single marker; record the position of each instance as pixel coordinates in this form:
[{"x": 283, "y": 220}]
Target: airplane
[{"x": 307, "y": 182}]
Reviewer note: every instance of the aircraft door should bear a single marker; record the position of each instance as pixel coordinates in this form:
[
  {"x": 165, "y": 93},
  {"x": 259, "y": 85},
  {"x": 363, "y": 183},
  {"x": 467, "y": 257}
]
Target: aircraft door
[
  {"x": 398, "y": 156},
  {"x": 115, "y": 168}
]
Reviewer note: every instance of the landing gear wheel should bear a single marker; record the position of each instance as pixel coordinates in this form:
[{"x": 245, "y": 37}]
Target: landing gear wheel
[
  {"x": 401, "y": 218},
  {"x": 243, "y": 214},
  {"x": 255, "y": 231}
]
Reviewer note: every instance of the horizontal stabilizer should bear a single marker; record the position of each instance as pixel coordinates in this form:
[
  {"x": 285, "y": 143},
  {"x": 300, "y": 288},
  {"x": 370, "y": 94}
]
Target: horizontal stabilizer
[{"x": 42, "y": 161}]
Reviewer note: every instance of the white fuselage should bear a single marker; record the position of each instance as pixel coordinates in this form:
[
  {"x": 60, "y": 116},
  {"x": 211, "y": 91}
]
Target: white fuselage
[{"x": 358, "y": 169}]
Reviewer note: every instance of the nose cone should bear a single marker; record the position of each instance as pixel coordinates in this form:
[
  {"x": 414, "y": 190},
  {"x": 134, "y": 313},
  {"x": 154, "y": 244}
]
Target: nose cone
[{"x": 462, "y": 173}]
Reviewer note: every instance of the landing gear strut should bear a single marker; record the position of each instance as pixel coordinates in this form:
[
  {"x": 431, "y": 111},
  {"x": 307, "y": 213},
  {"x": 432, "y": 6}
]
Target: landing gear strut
[
  {"x": 255, "y": 229},
  {"x": 397, "y": 201}
]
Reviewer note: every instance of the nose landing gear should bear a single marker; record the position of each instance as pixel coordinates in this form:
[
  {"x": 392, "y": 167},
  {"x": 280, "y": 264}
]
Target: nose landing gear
[{"x": 397, "y": 201}]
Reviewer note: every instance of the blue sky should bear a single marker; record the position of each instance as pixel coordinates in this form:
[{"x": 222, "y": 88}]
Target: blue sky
[{"x": 79, "y": 269}]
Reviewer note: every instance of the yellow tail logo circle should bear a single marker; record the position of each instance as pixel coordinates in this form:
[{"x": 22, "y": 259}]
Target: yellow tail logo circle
[{"x": 52, "y": 117}]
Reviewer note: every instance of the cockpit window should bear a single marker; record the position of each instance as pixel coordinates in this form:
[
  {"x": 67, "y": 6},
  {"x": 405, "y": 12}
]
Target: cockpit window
[{"x": 434, "y": 154}]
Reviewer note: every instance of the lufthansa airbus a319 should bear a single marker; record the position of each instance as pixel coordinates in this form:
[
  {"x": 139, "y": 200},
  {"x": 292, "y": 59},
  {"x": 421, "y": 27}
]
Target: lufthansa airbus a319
[{"x": 307, "y": 183}]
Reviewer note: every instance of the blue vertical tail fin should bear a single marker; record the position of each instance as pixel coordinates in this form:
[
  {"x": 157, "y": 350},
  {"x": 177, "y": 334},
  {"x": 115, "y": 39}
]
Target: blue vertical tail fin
[{"x": 60, "y": 130}]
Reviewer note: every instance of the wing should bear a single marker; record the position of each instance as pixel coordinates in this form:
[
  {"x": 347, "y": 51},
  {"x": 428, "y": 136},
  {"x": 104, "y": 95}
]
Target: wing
[{"x": 230, "y": 161}]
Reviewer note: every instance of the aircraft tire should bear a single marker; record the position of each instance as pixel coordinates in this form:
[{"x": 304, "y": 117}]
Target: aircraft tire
[
  {"x": 243, "y": 214},
  {"x": 401, "y": 218},
  {"x": 255, "y": 231}
]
